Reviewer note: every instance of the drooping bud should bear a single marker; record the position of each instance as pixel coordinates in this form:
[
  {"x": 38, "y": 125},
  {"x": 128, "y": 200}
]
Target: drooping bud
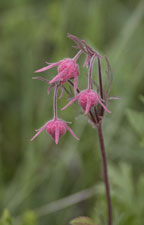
[
  {"x": 67, "y": 69},
  {"x": 55, "y": 128},
  {"x": 87, "y": 99}
]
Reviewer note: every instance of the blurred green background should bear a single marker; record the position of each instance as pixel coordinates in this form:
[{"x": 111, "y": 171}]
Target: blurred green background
[{"x": 34, "y": 176}]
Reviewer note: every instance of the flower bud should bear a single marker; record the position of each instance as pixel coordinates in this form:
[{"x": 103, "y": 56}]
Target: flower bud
[{"x": 56, "y": 128}]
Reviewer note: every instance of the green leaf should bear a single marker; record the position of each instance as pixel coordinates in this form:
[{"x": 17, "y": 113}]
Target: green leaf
[{"x": 82, "y": 221}]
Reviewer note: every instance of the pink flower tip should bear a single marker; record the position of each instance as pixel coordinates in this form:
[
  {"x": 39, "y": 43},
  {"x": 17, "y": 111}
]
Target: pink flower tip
[
  {"x": 55, "y": 128},
  {"x": 67, "y": 69},
  {"x": 87, "y": 99}
]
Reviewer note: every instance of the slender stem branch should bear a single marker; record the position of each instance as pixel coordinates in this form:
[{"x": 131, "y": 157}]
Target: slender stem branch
[
  {"x": 100, "y": 83},
  {"x": 55, "y": 102},
  {"x": 40, "y": 78},
  {"x": 92, "y": 117},
  {"x": 100, "y": 78},
  {"x": 96, "y": 114},
  {"x": 106, "y": 179},
  {"x": 75, "y": 58},
  {"x": 90, "y": 72},
  {"x": 71, "y": 83}
]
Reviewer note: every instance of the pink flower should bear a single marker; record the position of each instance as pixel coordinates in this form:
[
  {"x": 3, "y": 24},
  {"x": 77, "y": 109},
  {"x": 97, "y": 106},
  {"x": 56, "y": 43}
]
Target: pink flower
[
  {"x": 55, "y": 128},
  {"x": 67, "y": 69},
  {"x": 87, "y": 99}
]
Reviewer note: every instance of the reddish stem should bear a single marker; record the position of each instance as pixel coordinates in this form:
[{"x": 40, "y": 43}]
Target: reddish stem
[
  {"x": 55, "y": 101},
  {"x": 75, "y": 58},
  {"x": 106, "y": 179},
  {"x": 90, "y": 73},
  {"x": 100, "y": 83}
]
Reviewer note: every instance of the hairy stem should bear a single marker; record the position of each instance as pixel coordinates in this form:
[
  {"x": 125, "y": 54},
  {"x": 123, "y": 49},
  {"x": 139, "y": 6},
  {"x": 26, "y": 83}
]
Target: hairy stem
[
  {"x": 90, "y": 73},
  {"x": 100, "y": 83},
  {"x": 75, "y": 58},
  {"x": 106, "y": 179},
  {"x": 55, "y": 102}
]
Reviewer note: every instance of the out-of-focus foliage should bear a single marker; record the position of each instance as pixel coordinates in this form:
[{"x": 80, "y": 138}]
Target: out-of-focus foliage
[
  {"x": 136, "y": 120},
  {"x": 82, "y": 221},
  {"x": 35, "y": 174},
  {"x": 6, "y": 218},
  {"x": 28, "y": 218},
  {"x": 127, "y": 194}
]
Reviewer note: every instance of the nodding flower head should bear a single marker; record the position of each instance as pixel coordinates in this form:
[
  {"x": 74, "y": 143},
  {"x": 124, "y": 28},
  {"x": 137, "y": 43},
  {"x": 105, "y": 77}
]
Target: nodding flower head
[
  {"x": 55, "y": 128},
  {"x": 67, "y": 69},
  {"x": 87, "y": 99}
]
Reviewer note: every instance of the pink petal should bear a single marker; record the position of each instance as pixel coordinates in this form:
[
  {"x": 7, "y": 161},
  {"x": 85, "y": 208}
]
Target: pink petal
[
  {"x": 73, "y": 100},
  {"x": 70, "y": 130},
  {"x": 88, "y": 106},
  {"x": 47, "y": 67},
  {"x": 56, "y": 135},
  {"x": 39, "y": 131},
  {"x": 103, "y": 105},
  {"x": 86, "y": 62},
  {"x": 56, "y": 78},
  {"x": 59, "y": 76},
  {"x": 52, "y": 63}
]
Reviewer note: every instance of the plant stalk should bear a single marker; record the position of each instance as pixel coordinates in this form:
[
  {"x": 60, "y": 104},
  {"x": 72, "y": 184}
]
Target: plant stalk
[
  {"x": 106, "y": 179},
  {"x": 55, "y": 102},
  {"x": 100, "y": 83},
  {"x": 90, "y": 72}
]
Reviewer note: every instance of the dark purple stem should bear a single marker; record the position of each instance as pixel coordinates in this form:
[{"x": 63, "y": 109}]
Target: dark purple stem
[
  {"x": 96, "y": 114},
  {"x": 71, "y": 83},
  {"x": 55, "y": 102},
  {"x": 100, "y": 83},
  {"x": 106, "y": 180},
  {"x": 90, "y": 72}
]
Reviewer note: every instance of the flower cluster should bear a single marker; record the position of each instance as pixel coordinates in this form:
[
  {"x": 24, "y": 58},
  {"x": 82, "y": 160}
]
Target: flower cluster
[{"x": 91, "y": 101}]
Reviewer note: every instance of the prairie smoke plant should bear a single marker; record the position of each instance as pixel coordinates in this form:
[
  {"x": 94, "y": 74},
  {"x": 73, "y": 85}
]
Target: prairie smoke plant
[{"x": 93, "y": 100}]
